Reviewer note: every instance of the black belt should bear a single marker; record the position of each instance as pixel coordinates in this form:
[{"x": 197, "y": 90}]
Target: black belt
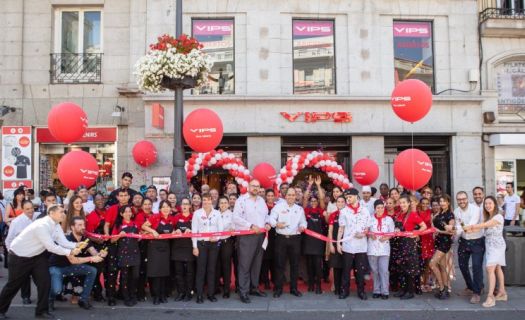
[{"x": 288, "y": 236}]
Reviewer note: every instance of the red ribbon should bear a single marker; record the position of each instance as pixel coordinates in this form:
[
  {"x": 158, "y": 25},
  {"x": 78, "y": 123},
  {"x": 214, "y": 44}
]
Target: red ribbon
[{"x": 385, "y": 234}]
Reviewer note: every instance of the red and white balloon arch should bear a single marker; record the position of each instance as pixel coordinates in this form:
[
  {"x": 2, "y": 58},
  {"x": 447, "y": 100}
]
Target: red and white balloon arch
[
  {"x": 219, "y": 159},
  {"x": 314, "y": 159}
]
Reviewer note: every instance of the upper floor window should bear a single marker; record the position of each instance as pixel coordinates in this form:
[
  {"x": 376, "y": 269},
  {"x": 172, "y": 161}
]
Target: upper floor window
[
  {"x": 413, "y": 51},
  {"x": 217, "y": 36},
  {"x": 78, "y": 46},
  {"x": 313, "y": 56}
]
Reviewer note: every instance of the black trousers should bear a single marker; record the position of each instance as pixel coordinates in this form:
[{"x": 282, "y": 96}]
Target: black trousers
[
  {"x": 475, "y": 249},
  {"x": 111, "y": 273},
  {"x": 338, "y": 273},
  {"x": 358, "y": 262},
  {"x": 225, "y": 266},
  {"x": 184, "y": 276},
  {"x": 143, "y": 271},
  {"x": 19, "y": 271},
  {"x": 25, "y": 290},
  {"x": 314, "y": 268},
  {"x": 267, "y": 271},
  {"x": 206, "y": 266},
  {"x": 129, "y": 277},
  {"x": 158, "y": 286},
  {"x": 287, "y": 246}
]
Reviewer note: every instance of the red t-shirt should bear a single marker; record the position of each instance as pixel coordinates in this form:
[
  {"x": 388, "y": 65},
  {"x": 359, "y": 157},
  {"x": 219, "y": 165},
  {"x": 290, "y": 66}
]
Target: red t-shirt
[
  {"x": 111, "y": 215},
  {"x": 411, "y": 222},
  {"x": 124, "y": 224},
  {"x": 426, "y": 216},
  {"x": 334, "y": 217},
  {"x": 140, "y": 218},
  {"x": 93, "y": 219},
  {"x": 156, "y": 219},
  {"x": 180, "y": 218},
  {"x": 308, "y": 211}
]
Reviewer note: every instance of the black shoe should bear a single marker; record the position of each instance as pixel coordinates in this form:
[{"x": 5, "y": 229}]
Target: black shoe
[
  {"x": 400, "y": 294},
  {"x": 188, "y": 297},
  {"x": 26, "y": 301},
  {"x": 200, "y": 299},
  {"x": 407, "y": 296},
  {"x": 296, "y": 293},
  {"x": 441, "y": 294},
  {"x": 362, "y": 295},
  {"x": 245, "y": 298},
  {"x": 141, "y": 299},
  {"x": 45, "y": 315},
  {"x": 277, "y": 293},
  {"x": 384, "y": 296},
  {"x": 343, "y": 295},
  {"x": 163, "y": 300},
  {"x": 257, "y": 293},
  {"x": 84, "y": 304},
  {"x": 156, "y": 301},
  {"x": 310, "y": 288},
  {"x": 180, "y": 297},
  {"x": 112, "y": 302},
  {"x": 99, "y": 298},
  {"x": 212, "y": 298},
  {"x": 376, "y": 296},
  {"x": 226, "y": 295}
]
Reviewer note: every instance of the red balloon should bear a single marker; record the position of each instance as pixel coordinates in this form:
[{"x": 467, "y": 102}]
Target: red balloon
[
  {"x": 202, "y": 130},
  {"x": 413, "y": 169},
  {"x": 265, "y": 173},
  {"x": 67, "y": 122},
  {"x": 144, "y": 153},
  {"x": 77, "y": 168},
  {"x": 365, "y": 171},
  {"x": 411, "y": 100}
]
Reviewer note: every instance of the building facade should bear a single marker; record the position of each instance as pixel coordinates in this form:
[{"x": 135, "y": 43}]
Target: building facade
[{"x": 290, "y": 76}]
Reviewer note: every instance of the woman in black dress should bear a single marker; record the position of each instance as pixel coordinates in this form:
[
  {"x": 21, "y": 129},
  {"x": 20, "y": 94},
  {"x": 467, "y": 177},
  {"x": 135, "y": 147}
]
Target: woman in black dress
[
  {"x": 182, "y": 253},
  {"x": 128, "y": 255},
  {"x": 158, "y": 268},
  {"x": 336, "y": 259},
  {"x": 444, "y": 223},
  {"x": 268, "y": 265},
  {"x": 313, "y": 248}
]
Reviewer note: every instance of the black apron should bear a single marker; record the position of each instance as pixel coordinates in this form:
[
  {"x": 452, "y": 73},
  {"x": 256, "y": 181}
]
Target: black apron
[
  {"x": 128, "y": 253},
  {"x": 182, "y": 249},
  {"x": 159, "y": 253},
  {"x": 408, "y": 255},
  {"x": 336, "y": 259},
  {"x": 311, "y": 245}
]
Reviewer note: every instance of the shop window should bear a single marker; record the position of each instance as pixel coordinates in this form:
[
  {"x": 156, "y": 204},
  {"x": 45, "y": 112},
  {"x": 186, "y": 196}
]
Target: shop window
[
  {"x": 413, "y": 52},
  {"x": 77, "y": 56},
  {"x": 217, "y": 36},
  {"x": 313, "y": 56}
]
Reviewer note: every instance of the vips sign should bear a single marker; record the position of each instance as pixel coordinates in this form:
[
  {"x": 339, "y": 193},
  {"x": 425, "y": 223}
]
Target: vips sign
[
  {"x": 312, "y": 28},
  {"x": 212, "y": 27},
  {"x": 310, "y": 117}
]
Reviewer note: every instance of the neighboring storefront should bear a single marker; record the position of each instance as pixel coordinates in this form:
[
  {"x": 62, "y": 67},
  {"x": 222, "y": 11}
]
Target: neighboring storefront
[
  {"x": 98, "y": 141},
  {"x": 509, "y": 161}
]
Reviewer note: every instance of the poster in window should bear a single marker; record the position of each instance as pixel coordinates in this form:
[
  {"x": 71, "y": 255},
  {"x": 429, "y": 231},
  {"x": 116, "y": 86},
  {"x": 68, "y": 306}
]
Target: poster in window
[
  {"x": 511, "y": 90},
  {"x": 504, "y": 174},
  {"x": 413, "y": 51},
  {"x": 217, "y": 38}
]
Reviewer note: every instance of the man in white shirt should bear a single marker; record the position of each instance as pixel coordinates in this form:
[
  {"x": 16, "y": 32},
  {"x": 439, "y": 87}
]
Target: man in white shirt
[
  {"x": 87, "y": 204},
  {"x": 479, "y": 196},
  {"x": 283, "y": 188},
  {"x": 367, "y": 200},
  {"x": 151, "y": 193},
  {"x": 250, "y": 213},
  {"x": 28, "y": 257},
  {"x": 17, "y": 225},
  {"x": 470, "y": 245},
  {"x": 289, "y": 222},
  {"x": 512, "y": 205},
  {"x": 353, "y": 224}
]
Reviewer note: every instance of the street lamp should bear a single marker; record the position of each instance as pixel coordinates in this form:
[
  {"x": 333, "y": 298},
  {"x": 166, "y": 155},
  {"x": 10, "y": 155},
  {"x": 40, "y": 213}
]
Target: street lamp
[{"x": 178, "y": 184}]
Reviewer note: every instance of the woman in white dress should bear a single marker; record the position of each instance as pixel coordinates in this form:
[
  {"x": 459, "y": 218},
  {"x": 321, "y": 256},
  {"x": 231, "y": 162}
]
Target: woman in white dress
[{"x": 494, "y": 249}]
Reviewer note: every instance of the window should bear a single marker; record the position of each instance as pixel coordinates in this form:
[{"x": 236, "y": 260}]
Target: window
[
  {"x": 516, "y": 5},
  {"x": 217, "y": 36},
  {"x": 511, "y": 91},
  {"x": 413, "y": 51},
  {"x": 78, "y": 46},
  {"x": 313, "y": 56}
]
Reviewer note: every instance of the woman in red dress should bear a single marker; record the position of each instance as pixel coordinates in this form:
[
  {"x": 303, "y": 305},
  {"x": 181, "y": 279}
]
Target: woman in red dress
[{"x": 427, "y": 244}]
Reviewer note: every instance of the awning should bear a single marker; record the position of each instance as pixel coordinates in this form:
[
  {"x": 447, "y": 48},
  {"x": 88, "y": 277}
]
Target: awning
[{"x": 507, "y": 139}]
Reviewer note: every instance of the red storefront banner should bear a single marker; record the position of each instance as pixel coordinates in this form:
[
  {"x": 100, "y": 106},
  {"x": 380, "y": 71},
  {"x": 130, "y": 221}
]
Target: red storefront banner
[
  {"x": 212, "y": 27},
  {"x": 15, "y": 184},
  {"x": 107, "y": 134}
]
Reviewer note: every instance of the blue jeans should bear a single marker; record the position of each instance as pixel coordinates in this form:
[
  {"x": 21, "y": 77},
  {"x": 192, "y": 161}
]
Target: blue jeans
[
  {"x": 474, "y": 249},
  {"x": 58, "y": 273}
]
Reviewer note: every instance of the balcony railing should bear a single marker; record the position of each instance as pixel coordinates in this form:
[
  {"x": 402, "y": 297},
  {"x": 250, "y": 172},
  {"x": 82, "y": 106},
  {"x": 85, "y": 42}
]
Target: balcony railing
[
  {"x": 76, "y": 68},
  {"x": 501, "y": 13}
]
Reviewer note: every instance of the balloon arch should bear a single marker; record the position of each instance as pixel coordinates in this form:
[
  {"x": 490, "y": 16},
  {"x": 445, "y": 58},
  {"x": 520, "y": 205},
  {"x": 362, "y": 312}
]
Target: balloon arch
[
  {"x": 314, "y": 159},
  {"x": 219, "y": 159}
]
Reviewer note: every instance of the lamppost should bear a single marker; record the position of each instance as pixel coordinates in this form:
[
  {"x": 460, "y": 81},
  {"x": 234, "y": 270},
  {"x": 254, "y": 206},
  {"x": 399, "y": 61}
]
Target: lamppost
[{"x": 178, "y": 174}]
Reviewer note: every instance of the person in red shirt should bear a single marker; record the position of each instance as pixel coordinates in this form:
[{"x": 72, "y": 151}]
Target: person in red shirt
[
  {"x": 427, "y": 243},
  {"x": 409, "y": 256},
  {"x": 172, "y": 199},
  {"x": 112, "y": 266},
  {"x": 141, "y": 217},
  {"x": 95, "y": 224},
  {"x": 182, "y": 253}
]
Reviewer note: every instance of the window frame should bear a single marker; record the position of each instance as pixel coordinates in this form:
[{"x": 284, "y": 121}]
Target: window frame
[
  {"x": 233, "y": 48},
  {"x": 57, "y": 45},
  {"x": 334, "y": 72},
  {"x": 433, "y": 87}
]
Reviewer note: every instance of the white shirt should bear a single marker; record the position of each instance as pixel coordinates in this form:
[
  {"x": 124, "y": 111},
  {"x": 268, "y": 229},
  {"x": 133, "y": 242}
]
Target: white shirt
[
  {"x": 293, "y": 217},
  {"x": 354, "y": 223},
  {"x": 369, "y": 205},
  {"x": 248, "y": 212},
  {"x": 227, "y": 222},
  {"x": 155, "y": 207},
  {"x": 205, "y": 223},
  {"x": 377, "y": 247},
  {"x": 510, "y": 206},
  {"x": 37, "y": 238},
  {"x": 469, "y": 217},
  {"x": 17, "y": 226},
  {"x": 88, "y": 206},
  {"x": 331, "y": 208}
]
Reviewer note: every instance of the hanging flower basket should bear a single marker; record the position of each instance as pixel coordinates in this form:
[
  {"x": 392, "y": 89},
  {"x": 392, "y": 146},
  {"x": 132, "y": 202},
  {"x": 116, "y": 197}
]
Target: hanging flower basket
[{"x": 173, "y": 63}]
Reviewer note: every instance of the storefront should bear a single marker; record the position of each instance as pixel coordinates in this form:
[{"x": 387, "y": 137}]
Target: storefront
[
  {"x": 98, "y": 141},
  {"x": 509, "y": 161}
]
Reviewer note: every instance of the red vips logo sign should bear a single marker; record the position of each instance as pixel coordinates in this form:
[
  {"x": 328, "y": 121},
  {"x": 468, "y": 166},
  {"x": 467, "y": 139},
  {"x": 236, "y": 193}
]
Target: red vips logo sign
[{"x": 310, "y": 117}]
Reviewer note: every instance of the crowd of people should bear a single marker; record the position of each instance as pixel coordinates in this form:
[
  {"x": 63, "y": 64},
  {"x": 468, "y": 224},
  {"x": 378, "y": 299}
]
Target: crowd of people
[{"x": 85, "y": 249}]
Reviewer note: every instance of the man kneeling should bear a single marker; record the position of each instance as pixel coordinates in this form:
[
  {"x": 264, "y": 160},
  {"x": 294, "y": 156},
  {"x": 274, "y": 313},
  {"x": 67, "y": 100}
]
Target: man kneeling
[{"x": 60, "y": 266}]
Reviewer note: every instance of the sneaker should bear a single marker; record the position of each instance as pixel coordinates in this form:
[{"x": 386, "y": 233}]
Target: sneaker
[{"x": 475, "y": 299}]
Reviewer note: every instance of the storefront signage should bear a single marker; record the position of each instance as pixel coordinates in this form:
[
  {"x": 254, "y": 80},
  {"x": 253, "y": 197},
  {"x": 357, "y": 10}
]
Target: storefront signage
[
  {"x": 412, "y": 29},
  {"x": 16, "y": 153},
  {"x": 212, "y": 27},
  {"x": 43, "y": 135},
  {"x": 312, "y": 28},
  {"x": 309, "y": 117}
]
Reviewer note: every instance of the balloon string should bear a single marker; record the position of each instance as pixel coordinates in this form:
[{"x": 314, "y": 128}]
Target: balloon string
[{"x": 412, "y": 153}]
